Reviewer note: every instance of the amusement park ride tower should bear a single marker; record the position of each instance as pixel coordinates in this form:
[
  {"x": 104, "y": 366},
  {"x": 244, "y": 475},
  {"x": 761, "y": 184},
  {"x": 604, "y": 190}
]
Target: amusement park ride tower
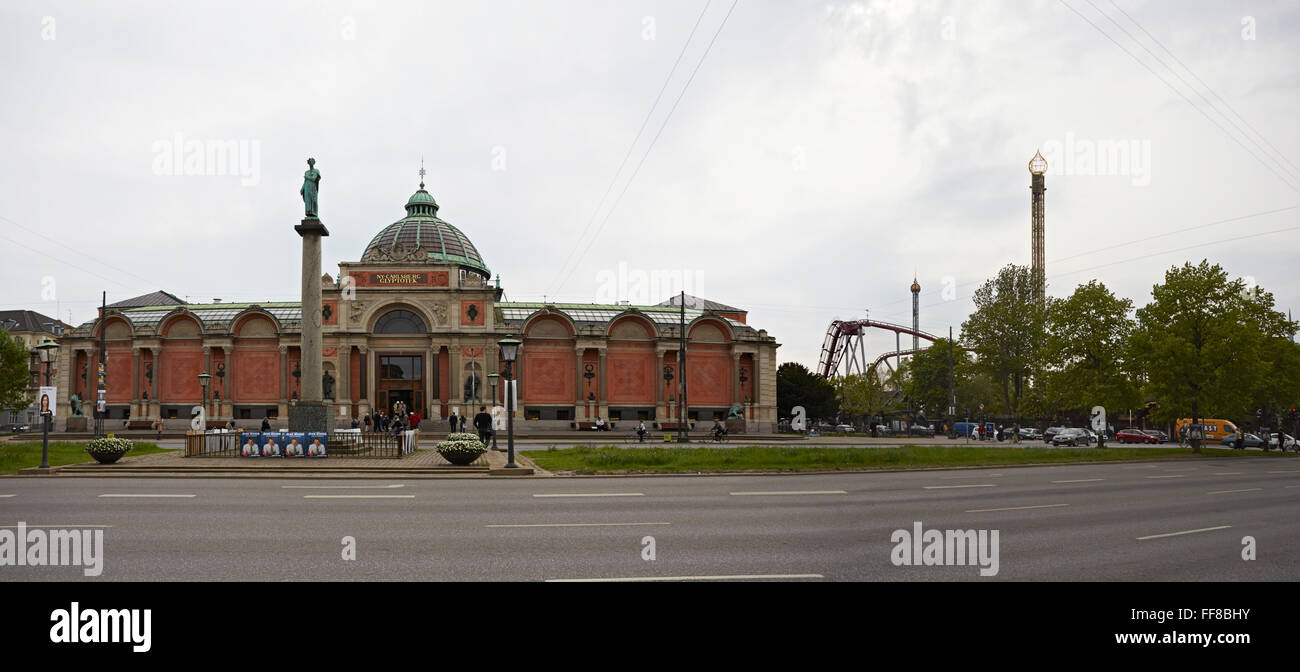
[
  {"x": 1038, "y": 186},
  {"x": 916, "y": 313}
]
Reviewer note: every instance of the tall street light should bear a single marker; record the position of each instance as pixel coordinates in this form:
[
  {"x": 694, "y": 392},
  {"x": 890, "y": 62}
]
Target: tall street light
[
  {"x": 47, "y": 349},
  {"x": 203, "y": 383},
  {"x": 509, "y": 351},
  {"x": 492, "y": 379}
]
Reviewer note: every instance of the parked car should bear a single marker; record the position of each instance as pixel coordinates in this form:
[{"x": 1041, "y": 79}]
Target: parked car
[
  {"x": 1248, "y": 441},
  {"x": 16, "y": 427},
  {"x": 1288, "y": 442},
  {"x": 1030, "y": 434},
  {"x": 922, "y": 430},
  {"x": 1160, "y": 437},
  {"x": 1051, "y": 432},
  {"x": 1134, "y": 436},
  {"x": 1072, "y": 437},
  {"x": 846, "y": 429}
]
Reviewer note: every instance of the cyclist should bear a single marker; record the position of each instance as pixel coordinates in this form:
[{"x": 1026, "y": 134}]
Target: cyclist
[
  {"x": 718, "y": 430},
  {"x": 640, "y": 431}
]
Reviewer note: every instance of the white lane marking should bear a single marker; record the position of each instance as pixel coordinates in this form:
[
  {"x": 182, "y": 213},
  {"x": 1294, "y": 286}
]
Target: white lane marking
[
  {"x": 8, "y": 495},
  {"x": 1293, "y": 471},
  {"x": 341, "y": 487},
  {"x": 1224, "y": 492},
  {"x": 358, "y": 496},
  {"x": 31, "y": 526},
  {"x": 1175, "y": 534},
  {"x": 1018, "y": 508},
  {"x": 138, "y": 495},
  {"x": 731, "y": 577},
  {"x": 1227, "y": 473},
  {"x": 1169, "y": 476},
  {"x": 579, "y": 525},
  {"x": 942, "y": 487},
  {"x": 1081, "y": 480},
  {"x": 1293, "y": 486},
  {"x": 952, "y": 478},
  {"x": 788, "y": 492},
  {"x": 594, "y": 494}
]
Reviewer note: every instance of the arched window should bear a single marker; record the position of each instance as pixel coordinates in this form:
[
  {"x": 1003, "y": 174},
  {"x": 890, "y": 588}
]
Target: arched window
[{"x": 400, "y": 322}]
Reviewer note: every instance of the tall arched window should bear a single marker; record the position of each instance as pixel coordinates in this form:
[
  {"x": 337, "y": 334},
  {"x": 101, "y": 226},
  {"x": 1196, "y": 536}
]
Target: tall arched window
[{"x": 400, "y": 322}]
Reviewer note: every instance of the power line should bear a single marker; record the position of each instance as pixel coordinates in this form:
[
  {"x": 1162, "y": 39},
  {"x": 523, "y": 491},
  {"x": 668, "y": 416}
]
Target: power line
[
  {"x": 654, "y": 140},
  {"x": 1207, "y": 86},
  {"x": 628, "y": 155},
  {"x": 1285, "y": 179}
]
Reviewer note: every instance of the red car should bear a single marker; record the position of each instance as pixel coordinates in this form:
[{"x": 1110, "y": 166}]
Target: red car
[{"x": 1134, "y": 436}]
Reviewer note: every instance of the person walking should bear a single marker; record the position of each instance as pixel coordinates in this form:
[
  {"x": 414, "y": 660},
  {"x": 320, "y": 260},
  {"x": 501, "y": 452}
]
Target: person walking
[
  {"x": 455, "y": 421},
  {"x": 266, "y": 424},
  {"x": 462, "y": 423},
  {"x": 483, "y": 423}
]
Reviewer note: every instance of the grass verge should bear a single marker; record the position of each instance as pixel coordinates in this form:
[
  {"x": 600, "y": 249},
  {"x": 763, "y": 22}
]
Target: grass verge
[
  {"x": 609, "y": 459},
  {"x": 20, "y": 455}
]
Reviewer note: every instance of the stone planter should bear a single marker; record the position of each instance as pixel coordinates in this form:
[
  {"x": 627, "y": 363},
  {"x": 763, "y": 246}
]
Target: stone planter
[
  {"x": 105, "y": 457},
  {"x": 461, "y": 459}
]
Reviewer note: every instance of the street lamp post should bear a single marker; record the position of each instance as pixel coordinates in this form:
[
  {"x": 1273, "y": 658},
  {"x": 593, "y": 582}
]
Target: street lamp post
[
  {"x": 203, "y": 383},
  {"x": 492, "y": 380},
  {"x": 47, "y": 349},
  {"x": 509, "y": 351}
]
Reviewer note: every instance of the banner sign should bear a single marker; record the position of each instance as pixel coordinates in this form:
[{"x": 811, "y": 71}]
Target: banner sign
[
  {"x": 49, "y": 400},
  {"x": 317, "y": 443}
]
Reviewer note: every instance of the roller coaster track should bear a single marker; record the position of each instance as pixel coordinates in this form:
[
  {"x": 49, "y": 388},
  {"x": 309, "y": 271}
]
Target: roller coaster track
[{"x": 845, "y": 346}]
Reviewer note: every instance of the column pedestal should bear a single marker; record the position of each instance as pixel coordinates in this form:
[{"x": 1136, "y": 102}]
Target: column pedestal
[{"x": 311, "y": 414}]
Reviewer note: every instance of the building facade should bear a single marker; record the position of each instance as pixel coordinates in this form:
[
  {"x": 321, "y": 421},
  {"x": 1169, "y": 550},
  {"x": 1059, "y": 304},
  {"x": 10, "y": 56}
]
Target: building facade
[
  {"x": 30, "y": 328},
  {"x": 417, "y": 320}
]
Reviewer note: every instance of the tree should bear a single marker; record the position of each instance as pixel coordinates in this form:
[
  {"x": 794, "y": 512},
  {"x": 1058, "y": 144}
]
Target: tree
[
  {"x": 797, "y": 386},
  {"x": 1203, "y": 342},
  {"x": 1085, "y": 352},
  {"x": 1007, "y": 333},
  {"x": 863, "y": 395},
  {"x": 15, "y": 374},
  {"x": 927, "y": 382}
]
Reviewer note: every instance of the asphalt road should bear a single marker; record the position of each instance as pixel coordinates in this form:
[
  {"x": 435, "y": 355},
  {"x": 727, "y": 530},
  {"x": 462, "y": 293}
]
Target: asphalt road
[{"x": 1071, "y": 522}]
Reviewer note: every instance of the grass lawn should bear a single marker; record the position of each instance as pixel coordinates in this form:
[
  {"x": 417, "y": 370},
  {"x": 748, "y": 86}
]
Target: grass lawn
[
  {"x": 609, "y": 459},
  {"x": 20, "y": 455}
]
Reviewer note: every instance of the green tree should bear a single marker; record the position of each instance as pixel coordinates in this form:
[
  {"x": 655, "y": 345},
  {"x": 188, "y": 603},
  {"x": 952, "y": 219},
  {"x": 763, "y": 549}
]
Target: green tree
[
  {"x": 1203, "y": 342},
  {"x": 1007, "y": 333},
  {"x": 797, "y": 386},
  {"x": 926, "y": 384},
  {"x": 864, "y": 396},
  {"x": 15, "y": 374},
  {"x": 1085, "y": 352}
]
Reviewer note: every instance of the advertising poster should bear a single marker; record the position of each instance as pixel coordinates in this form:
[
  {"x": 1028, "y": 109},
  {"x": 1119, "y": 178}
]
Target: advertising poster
[
  {"x": 250, "y": 444},
  {"x": 317, "y": 444},
  {"x": 295, "y": 444},
  {"x": 273, "y": 444},
  {"x": 49, "y": 401}
]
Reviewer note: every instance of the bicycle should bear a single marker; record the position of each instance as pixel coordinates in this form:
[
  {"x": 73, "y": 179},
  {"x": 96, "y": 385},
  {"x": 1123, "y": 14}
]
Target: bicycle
[
  {"x": 633, "y": 437},
  {"x": 718, "y": 437}
]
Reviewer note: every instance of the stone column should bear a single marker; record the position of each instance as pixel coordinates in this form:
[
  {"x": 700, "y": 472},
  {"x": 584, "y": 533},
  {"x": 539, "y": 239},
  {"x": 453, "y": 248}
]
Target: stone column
[
  {"x": 155, "y": 406},
  {"x": 310, "y": 413},
  {"x": 343, "y": 393},
  {"x": 363, "y": 380},
  {"x": 228, "y": 360},
  {"x": 137, "y": 362},
  {"x": 604, "y": 405},
  {"x": 283, "y": 405},
  {"x": 580, "y": 404},
  {"x": 735, "y": 377},
  {"x": 457, "y": 392},
  {"x": 660, "y": 406}
]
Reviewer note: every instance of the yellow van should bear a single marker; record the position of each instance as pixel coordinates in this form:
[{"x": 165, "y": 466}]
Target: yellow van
[{"x": 1215, "y": 429}]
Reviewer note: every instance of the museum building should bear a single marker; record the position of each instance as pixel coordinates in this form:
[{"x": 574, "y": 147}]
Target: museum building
[{"x": 417, "y": 320}]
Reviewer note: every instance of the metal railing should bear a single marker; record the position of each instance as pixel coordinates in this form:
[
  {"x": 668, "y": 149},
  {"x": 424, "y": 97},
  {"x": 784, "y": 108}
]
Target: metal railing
[{"x": 342, "y": 444}]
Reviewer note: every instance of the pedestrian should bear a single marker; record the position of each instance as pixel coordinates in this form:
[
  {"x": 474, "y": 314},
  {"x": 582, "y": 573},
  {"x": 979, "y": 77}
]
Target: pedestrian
[
  {"x": 462, "y": 423},
  {"x": 453, "y": 420},
  {"x": 981, "y": 432},
  {"x": 266, "y": 424},
  {"x": 415, "y": 420},
  {"x": 367, "y": 422},
  {"x": 355, "y": 424},
  {"x": 157, "y": 425},
  {"x": 483, "y": 423},
  {"x": 1238, "y": 440}
]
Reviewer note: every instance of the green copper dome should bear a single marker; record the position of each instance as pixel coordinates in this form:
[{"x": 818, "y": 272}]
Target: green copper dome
[{"x": 421, "y": 236}]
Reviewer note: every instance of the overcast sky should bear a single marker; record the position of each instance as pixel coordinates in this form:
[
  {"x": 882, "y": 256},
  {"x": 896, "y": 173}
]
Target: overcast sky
[{"x": 821, "y": 154}]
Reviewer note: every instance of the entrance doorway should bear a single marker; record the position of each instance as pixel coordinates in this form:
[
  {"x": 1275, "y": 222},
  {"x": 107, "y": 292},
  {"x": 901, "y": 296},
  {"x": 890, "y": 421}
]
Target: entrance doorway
[{"x": 401, "y": 378}]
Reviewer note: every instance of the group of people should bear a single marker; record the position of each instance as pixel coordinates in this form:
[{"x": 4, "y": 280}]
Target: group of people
[{"x": 397, "y": 421}]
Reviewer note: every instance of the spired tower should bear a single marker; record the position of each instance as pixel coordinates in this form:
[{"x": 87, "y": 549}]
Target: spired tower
[
  {"x": 916, "y": 313},
  {"x": 1038, "y": 186}
]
